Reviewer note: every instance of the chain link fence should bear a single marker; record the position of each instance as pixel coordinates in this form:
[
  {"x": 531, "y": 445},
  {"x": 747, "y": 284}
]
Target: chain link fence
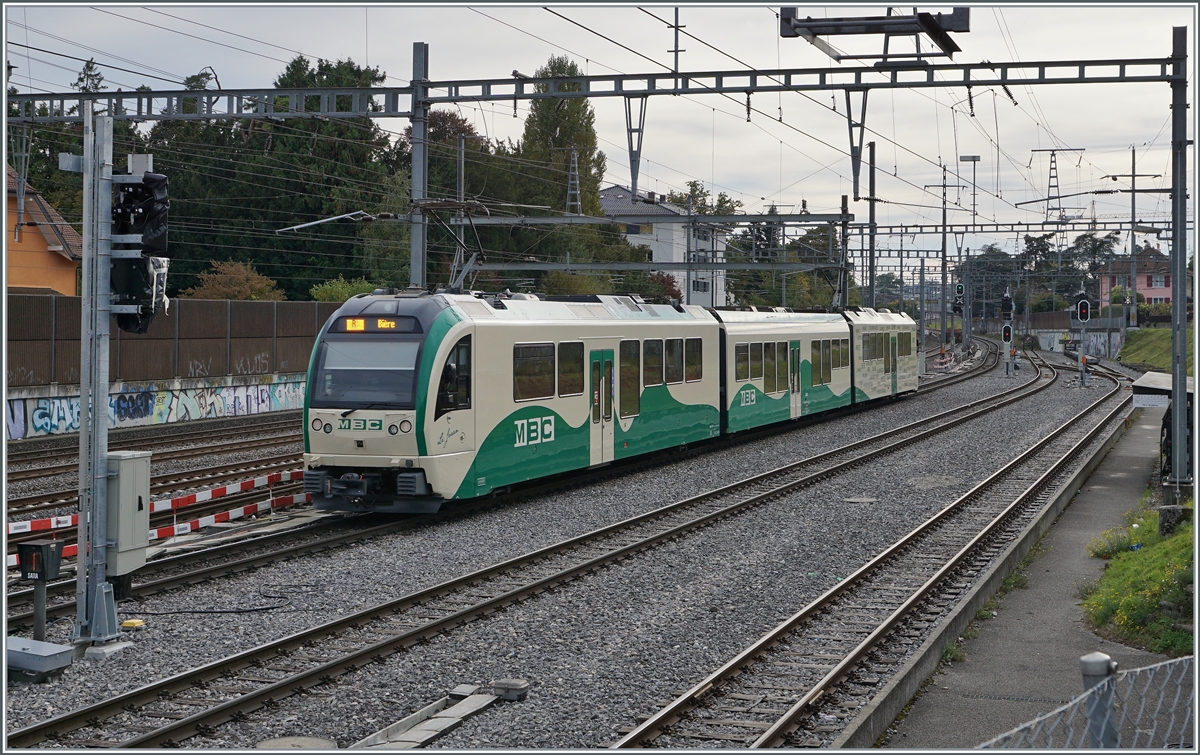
[{"x": 1149, "y": 707}]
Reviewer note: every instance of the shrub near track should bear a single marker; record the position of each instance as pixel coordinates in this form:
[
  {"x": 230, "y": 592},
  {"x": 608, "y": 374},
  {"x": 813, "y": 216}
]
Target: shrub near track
[{"x": 1144, "y": 597}]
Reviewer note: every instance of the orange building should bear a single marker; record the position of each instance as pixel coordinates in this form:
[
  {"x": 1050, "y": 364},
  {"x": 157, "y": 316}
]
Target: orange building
[{"x": 44, "y": 253}]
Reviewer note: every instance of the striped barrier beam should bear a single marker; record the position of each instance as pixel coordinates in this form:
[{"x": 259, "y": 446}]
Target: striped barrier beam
[
  {"x": 171, "y": 504},
  {"x": 182, "y": 528}
]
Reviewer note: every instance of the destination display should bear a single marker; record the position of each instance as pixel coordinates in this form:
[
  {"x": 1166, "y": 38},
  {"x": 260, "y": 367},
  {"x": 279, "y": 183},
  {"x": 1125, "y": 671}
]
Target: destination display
[{"x": 375, "y": 324}]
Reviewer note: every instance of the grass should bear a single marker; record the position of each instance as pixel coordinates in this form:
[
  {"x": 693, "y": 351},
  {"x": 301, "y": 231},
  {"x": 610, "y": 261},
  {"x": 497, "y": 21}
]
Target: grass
[
  {"x": 1144, "y": 594},
  {"x": 1151, "y": 348},
  {"x": 1140, "y": 529}
]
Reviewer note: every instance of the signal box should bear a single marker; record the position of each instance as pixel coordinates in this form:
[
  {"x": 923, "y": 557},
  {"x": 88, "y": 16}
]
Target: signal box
[{"x": 39, "y": 559}]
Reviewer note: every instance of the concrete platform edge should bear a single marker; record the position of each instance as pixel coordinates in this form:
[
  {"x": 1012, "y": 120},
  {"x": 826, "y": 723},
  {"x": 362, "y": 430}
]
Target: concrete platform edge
[{"x": 869, "y": 725}]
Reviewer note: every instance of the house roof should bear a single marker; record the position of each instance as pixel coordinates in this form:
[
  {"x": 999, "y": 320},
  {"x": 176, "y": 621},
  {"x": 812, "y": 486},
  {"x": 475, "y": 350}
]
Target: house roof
[
  {"x": 1149, "y": 261},
  {"x": 616, "y": 200},
  {"x": 60, "y": 237}
]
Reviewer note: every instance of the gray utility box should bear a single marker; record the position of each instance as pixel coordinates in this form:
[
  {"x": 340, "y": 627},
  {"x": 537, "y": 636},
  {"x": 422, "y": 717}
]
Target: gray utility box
[
  {"x": 128, "y": 510},
  {"x": 36, "y": 657}
]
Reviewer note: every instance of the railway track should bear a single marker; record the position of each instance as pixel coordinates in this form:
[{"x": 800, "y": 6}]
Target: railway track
[
  {"x": 194, "y": 702},
  {"x": 224, "y": 562},
  {"x": 797, "y": 685},
  {"x": 160, "y": 484},
  {"x": 43, "y": 449},
  {"x": 192, "y": 452}
]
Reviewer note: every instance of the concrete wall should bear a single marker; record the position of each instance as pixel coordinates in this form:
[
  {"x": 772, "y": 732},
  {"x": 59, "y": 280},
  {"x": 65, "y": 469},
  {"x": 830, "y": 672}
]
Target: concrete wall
[{"x": 35, "y": 411}]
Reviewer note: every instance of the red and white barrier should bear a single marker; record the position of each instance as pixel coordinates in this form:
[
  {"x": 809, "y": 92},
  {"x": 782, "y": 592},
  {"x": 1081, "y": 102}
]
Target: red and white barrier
[
  {"x": 181, "y": 528},
  {"x": 61, "y": 522}
]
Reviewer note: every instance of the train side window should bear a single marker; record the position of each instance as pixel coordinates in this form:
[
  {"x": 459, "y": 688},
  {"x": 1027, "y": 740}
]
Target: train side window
[
  {"x": 845, "y": 352},
  {"x": 881, "y": 344},
  {"x": 454, "y": 388},
  {"x": 837, "y": 356},
  {"x": 673, "y": 359},
  {"x": 826, "y": 362},
  {"x": 652, "y": 362},
  {"x": 866, "y": 347},
  {"x": 769, "y": 367},
  {"x": 756, "y": 370},
  {"x": 904, "y": 344},
  {"x": 533, "y": 371},
  {"x": 570, "y": 369},
  {"x": 781, "y": 365},
  {"x": 631, "y": 384},
  {"x": 694, "y": 359},
  {"x": 814, "y": 362},
  {"x": 741, "y": 361}
]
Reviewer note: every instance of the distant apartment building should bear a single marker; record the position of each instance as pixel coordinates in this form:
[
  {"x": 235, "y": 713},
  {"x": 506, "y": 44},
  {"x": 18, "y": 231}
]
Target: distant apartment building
[{"x": 668, "y": 242}]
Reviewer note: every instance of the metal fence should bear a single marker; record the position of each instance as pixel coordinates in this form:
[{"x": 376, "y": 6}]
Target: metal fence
[
  {"x": 1149, "y": 707},
  {"x": 194, "y": 338}
]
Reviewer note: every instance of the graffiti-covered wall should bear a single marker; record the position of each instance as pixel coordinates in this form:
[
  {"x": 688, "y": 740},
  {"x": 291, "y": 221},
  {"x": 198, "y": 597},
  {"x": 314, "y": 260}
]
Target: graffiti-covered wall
[{"x": 51, "y": 410}]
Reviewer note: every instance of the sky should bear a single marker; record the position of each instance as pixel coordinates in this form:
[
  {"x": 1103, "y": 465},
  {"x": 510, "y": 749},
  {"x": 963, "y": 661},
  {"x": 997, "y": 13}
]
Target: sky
[{"x": 704, "y": 137}]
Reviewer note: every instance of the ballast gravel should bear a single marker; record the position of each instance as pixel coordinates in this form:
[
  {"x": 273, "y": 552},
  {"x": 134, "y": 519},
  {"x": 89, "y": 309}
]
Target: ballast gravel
[{"x": 674, "y": 613}]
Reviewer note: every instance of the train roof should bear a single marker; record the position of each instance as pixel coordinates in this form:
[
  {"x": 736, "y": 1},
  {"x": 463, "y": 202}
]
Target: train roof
[
  {"x": 868, "y": 316},
  {"x": 569, "y": 308},
  {"x": 773, "y": 316}
]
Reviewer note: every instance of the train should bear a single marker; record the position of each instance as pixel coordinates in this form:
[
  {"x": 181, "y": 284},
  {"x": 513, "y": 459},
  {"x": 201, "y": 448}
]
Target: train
[{"x": 414, "y": 399}]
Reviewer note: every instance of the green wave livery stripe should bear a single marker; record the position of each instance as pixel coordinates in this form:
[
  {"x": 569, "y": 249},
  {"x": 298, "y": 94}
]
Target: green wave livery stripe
[
  {"x": 532, "y": 442},
  {"x": 664, "y": 422},
  {"x": 442, "y": 324},
  {"x": 818, "y": 398},
  {"x": 750, "y": 407}
]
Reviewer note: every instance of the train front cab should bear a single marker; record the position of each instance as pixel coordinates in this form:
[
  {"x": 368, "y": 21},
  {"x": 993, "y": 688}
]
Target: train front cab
[
  {"x": 388, "y": 373},
  {"x": 884, "y": 356},
  {"x": 782, "y": 365}
]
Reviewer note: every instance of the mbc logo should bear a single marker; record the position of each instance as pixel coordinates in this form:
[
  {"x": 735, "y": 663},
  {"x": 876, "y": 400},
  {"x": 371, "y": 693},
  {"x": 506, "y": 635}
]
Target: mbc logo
[
  {"x": 360, "y": 424},
  {"x": 535, "y": 430},
  {"x": 748, "y": 397}
]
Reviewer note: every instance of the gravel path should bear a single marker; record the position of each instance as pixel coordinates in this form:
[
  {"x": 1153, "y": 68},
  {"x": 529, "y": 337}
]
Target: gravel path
[{"x": 695, "y": 602}]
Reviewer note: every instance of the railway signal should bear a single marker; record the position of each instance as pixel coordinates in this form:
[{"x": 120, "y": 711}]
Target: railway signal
[
  {"x": 1083, "y": 310},
  {"x": 1006, "y": 306},
  {"x": 1006, "y": 333},
  {"x": 139, "y": 231}
]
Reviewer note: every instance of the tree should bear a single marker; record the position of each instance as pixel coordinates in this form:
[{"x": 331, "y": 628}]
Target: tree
[
  {"x": 554, "y": 127},
  {"x": 339, "y": 289},
  {"x": 90, "y": 79},
  {"x": 702, "y": 203},
  {"x": 234, "y": 280},
  {"x": 887, "y": 290}
]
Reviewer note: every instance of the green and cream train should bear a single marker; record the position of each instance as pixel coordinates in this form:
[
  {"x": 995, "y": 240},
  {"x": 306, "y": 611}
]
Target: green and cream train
[{"x": 415, "y": 400}]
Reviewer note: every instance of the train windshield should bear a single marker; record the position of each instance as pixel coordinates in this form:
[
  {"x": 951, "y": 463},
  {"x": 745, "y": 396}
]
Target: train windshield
[{"x": 357, "y": 372}]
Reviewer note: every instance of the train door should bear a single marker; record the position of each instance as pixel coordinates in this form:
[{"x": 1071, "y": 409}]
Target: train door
[
  {"x": 891, "y": 353},
  {"x": 603, "y": 418},
  {"x": 454, "y": 416},
  {"x": 794, "y": 378}
]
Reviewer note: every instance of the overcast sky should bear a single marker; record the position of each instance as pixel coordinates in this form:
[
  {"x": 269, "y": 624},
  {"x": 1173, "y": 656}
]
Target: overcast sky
[{"x": 704, "y": 137}]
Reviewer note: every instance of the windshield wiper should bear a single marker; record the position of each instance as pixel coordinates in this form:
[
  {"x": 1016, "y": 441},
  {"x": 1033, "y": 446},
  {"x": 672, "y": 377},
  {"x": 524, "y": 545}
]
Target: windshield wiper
[{"x": 348, "y": 412}]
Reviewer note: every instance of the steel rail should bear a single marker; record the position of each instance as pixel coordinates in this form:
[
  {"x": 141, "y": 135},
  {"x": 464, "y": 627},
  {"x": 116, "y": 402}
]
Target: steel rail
[
  {"x": 153, "y": 586},
  {"x": 32, "y": 473},
  {"x": 671, "y": 714},
  {"x": 163, "y": 483},
  {"x": 40, "y": 447},
  {"x": 257, "y": 698},
  {"x": 788, "y": 722}
]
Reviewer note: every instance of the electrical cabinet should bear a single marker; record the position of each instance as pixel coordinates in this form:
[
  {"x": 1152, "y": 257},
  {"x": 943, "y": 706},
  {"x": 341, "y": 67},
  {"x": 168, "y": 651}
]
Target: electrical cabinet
[{"x": 128, "y": 511}]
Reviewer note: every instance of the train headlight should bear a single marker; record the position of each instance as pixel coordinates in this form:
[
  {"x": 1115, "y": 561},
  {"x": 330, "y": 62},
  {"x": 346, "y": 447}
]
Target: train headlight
[
  {"x": 328, "y": 427},
  {"x": 392, "y": 429},
  {"x": 316, "y": 425},
  {"x": 405, "y": 426}
]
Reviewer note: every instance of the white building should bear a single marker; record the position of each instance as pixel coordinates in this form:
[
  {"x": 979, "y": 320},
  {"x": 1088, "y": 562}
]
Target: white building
[{"x": 668, "y": 242}]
